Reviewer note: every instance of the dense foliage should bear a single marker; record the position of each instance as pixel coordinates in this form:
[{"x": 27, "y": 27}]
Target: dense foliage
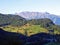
[{"x": 10, "y": 19}]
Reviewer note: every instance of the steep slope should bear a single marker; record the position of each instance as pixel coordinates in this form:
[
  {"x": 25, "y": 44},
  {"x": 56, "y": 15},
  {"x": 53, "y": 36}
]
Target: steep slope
[
  {"x": 9, "y": 38},
  {"x": 10, "y": 19},
  {"x": 39, "y": 15}
]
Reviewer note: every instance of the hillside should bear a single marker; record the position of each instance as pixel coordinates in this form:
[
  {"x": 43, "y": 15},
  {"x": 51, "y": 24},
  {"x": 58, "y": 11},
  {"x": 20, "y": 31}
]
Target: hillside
[
  {"x": 18, "y": 24},
  {"x": 39, "y": 15},
  {"x": 10, "y": 38},
  {"x": 10, "y": 19},
  {"x": 33, "y": 27}
]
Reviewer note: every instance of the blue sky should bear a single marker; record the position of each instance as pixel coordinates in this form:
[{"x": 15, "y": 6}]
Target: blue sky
[{"x": 16, "y": 6}]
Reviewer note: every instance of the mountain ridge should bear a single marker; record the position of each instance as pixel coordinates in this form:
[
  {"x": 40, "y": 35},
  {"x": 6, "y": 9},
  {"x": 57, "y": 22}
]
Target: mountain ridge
[
  {"x": 39, "y": 15},
  {"x": 10, "y": 19}
]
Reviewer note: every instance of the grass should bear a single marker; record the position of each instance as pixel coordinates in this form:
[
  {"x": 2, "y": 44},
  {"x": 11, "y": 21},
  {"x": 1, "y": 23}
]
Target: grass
[{"x": 31, "y": 29}]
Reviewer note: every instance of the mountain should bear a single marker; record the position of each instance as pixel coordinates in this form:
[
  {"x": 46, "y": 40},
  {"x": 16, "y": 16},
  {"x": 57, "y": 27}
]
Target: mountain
[
  {"x": 39, "y": 15},
  {"x": 44, "y": 22},
  {"x": 11, "y": 19},
  {"x": 10, "y": 38}
]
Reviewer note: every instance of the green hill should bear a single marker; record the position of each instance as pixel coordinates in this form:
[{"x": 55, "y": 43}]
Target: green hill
[
  {"x": 10, "y": 19},
  {"x": 18, "y": 24}
]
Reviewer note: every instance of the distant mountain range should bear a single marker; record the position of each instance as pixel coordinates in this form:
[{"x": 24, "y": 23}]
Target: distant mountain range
[
  {"x": 39, "y": 15},
  {"x": 16, "y": 19}
]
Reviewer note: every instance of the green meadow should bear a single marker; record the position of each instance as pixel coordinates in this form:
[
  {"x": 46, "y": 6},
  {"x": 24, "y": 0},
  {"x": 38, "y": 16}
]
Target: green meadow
[{"x": 29, "y": 29}]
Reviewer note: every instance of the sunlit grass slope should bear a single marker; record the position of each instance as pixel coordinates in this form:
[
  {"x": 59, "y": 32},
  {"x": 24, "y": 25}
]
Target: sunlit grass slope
[{"x": 31, "y": 29}]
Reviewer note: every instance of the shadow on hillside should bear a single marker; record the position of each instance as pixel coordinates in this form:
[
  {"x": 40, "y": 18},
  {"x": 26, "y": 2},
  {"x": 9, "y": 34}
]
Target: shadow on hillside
[
  {"x": 43, "y": 38},
  {"x": 9, "y": 38}
]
